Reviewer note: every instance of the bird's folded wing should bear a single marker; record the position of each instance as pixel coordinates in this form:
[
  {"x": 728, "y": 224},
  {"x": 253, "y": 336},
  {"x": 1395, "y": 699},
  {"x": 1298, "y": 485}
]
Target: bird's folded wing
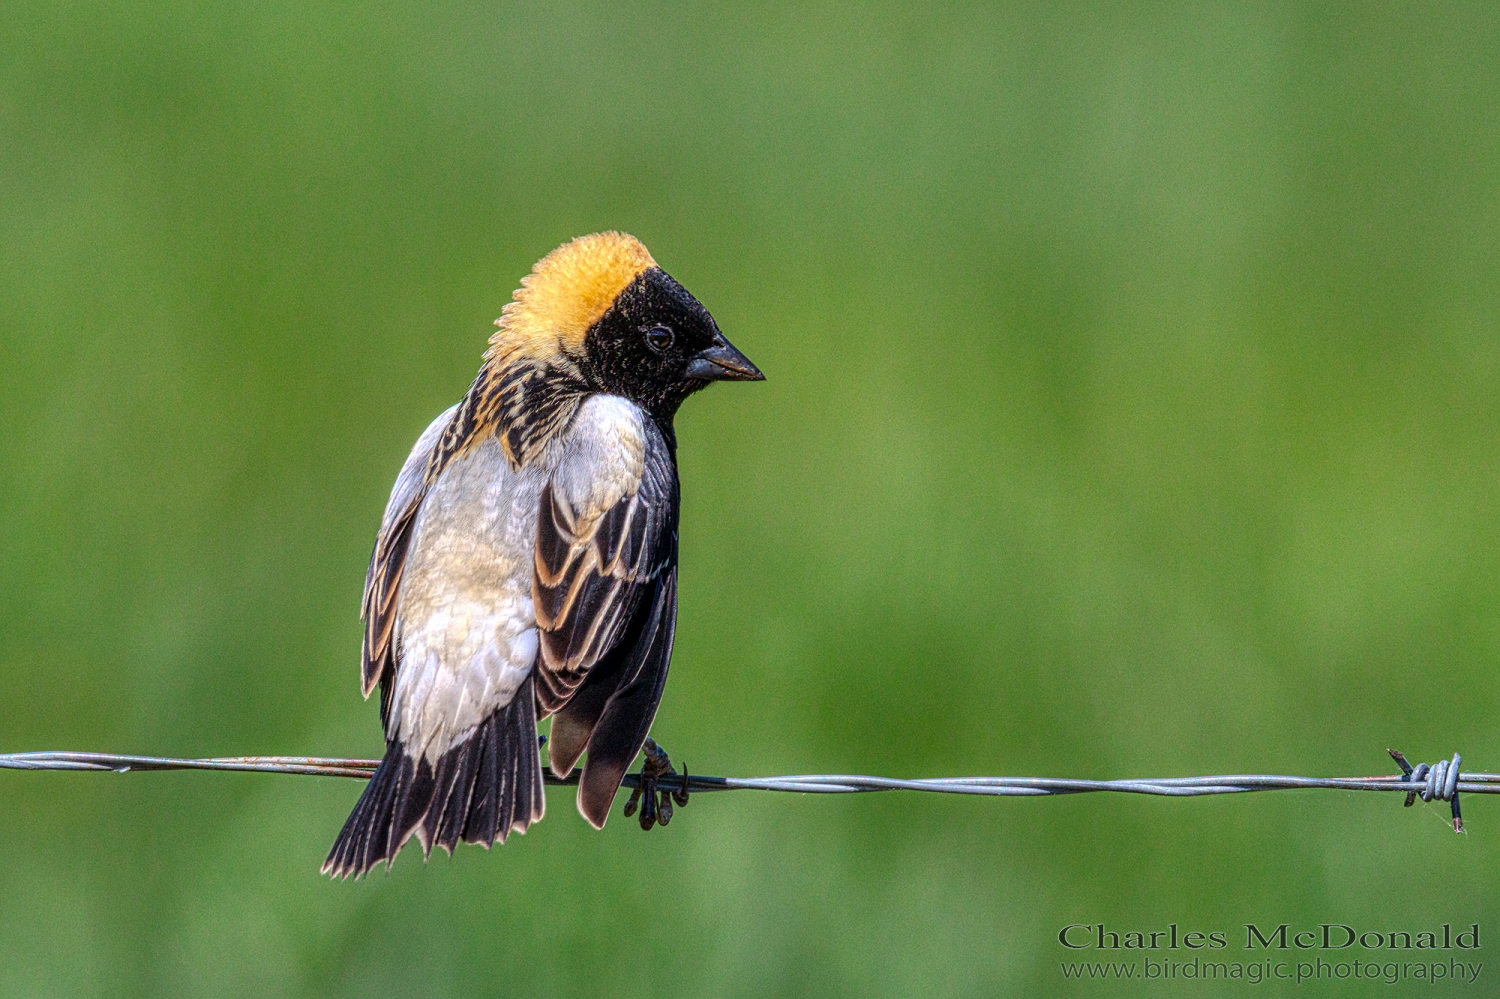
[
  {"x": 607, "y": 528},
  {"x": 383, "y": 581}
]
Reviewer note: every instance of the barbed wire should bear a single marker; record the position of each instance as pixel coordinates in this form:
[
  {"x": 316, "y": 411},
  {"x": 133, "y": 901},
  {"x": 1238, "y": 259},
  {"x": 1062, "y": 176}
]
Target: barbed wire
[{"x": 1441, "y": 781}]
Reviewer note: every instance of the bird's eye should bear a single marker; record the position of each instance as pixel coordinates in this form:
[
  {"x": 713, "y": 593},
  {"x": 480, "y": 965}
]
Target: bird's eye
[{"x": 659, "y": 338}]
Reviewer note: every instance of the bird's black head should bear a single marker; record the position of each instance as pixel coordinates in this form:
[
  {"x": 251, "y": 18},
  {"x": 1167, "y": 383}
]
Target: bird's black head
[{"x": 656, "y": 345}]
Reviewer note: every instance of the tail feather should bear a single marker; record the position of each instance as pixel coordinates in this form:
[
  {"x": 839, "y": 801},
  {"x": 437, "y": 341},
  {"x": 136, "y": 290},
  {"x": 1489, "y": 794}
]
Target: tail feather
[
  {"x": 480, "y": 791},
  {"x": 446, "y": 818},
  {"x": 413, "y": 799},
  {"x": 482, "y": 824}
]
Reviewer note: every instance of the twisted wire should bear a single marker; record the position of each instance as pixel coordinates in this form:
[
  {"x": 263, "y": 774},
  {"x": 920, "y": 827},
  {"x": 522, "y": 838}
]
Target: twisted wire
[{"x": 1442, "y": 781}]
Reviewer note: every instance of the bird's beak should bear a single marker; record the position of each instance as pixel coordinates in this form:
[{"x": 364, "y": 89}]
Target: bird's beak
[{"x": 722, "y": 362}]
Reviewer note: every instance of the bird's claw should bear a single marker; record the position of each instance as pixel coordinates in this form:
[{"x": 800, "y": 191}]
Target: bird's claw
[{"x": 655, "y": 771}]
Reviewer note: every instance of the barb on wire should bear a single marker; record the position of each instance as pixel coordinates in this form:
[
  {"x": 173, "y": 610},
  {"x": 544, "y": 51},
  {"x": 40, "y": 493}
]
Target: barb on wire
[{"x": 1441, "y": 781}]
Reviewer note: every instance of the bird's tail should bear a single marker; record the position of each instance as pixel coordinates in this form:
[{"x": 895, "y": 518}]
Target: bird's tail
[{"x": 480, "y": 791}]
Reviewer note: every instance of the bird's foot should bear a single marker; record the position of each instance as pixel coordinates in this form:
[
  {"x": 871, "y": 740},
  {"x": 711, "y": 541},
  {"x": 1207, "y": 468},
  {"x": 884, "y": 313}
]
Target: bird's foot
[{"x": 657, "y": 776}]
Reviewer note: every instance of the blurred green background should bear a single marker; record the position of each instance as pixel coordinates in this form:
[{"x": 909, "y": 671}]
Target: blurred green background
[{"x": 1134, "y": 379}]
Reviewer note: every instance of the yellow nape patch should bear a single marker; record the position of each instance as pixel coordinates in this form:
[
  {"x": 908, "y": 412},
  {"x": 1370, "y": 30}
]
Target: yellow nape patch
[{"x": 566, "y": 293}]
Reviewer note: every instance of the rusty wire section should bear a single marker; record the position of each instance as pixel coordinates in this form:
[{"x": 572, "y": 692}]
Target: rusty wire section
[{"x": 1442, "y": 781}]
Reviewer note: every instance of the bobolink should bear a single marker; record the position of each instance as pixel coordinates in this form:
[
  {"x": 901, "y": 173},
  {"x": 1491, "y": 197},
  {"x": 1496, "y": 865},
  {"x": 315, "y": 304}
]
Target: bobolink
[{"x": 526, "y": 565}]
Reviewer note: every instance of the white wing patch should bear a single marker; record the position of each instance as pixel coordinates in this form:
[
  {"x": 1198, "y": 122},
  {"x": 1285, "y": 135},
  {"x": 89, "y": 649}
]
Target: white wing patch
[{"x": 602, "y": 458}]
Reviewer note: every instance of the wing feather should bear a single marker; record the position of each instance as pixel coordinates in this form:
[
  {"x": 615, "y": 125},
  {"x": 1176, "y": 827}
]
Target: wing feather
[
  {"x": 388, "y": 560},
  {"x": 593, "y": 567}
]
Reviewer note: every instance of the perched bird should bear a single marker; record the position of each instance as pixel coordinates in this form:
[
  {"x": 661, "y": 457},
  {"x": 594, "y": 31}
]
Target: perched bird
[{"x": 526, "y": 565}]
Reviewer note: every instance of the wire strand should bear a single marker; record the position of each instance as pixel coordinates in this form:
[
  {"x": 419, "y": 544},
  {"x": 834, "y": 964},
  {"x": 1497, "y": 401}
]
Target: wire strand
[{"x": 1442, "y": 781}]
